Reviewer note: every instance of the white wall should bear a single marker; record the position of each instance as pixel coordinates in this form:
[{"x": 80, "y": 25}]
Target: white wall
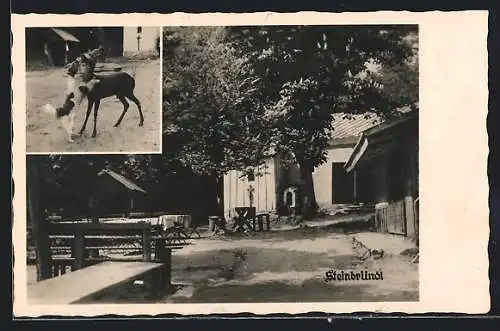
[
  {"x": 147, "y": 41},
  {"x": 322, "y": 176},
  {"x": 236, "y": 194}
]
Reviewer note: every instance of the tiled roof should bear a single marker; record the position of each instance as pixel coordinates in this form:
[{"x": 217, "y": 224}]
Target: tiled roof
[
  {"x": 122, "y": 180},
  {"x": 350, "y": 125}
]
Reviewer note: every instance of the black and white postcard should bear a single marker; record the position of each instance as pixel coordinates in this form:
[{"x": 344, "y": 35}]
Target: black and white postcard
[{"x": 290, "y": 163}]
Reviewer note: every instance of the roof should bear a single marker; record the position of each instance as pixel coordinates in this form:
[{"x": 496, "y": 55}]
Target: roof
[
  {"x": 348, "y": 127},
  {"x": 374, "y": 140},
  {"x": 66, "y": 36},
  {"x": 122, "y": 180}
]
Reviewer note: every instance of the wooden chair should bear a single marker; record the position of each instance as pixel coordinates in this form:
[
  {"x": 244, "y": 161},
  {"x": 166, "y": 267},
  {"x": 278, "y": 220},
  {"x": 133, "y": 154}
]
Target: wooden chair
[{"x": 244, "y": 219}]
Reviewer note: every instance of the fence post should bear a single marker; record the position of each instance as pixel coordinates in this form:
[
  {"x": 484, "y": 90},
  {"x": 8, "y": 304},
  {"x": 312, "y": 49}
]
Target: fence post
[
  {"x": 164, "y": 255},
  {"x": 146, "y": 244},
  {"x": 79, "y": 250},
  {"x": 261, "y": 222}
]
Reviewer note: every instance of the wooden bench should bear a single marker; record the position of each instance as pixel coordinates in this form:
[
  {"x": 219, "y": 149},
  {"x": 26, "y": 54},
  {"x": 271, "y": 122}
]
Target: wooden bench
[
  {"x": 77, "y": 240},
  {"x": 85, "y": 283}
]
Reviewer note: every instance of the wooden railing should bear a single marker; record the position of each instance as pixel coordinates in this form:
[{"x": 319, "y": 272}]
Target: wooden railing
[{"x": 74, "y": 246}]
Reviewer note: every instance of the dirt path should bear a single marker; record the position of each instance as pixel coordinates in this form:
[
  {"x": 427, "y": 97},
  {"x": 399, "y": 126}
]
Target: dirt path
[
  {"x": 44, "y": 134},
  {"x": 288, "y": 270},
  {"x": 279, "y": 267}
]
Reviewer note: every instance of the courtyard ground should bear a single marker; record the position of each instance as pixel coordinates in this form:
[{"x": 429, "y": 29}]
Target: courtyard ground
[{"x": 282, "y": 266}]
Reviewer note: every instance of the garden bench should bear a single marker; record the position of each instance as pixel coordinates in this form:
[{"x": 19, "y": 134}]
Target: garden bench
[
  {"x": 87, "y": 282},
  {"x": 77, "y": 240}
]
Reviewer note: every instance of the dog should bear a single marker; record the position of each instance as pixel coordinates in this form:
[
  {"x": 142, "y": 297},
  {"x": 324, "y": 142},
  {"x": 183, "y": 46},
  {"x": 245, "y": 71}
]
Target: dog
[
  {"x": 66, "y": 113},
  {"x": 119, "y": 84}
]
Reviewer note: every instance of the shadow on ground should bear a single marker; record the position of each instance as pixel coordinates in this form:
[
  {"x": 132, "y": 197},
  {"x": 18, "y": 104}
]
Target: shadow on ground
[{"x": 263, "y": 273}]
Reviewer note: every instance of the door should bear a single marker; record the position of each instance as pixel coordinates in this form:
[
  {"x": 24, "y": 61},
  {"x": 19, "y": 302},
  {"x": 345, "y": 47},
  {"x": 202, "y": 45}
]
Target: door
[{"x": 342, "y": 185}]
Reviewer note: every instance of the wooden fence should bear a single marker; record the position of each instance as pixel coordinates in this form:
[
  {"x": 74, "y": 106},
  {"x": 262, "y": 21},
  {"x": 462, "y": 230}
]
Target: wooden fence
[{"x": 391, "y": 218}]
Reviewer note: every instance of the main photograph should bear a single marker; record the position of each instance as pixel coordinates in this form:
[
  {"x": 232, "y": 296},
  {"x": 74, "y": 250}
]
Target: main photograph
[{"x": 289, "y": 173}]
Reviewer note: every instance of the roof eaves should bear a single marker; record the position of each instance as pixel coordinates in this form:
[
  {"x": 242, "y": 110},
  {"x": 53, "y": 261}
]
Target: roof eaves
[
  {"x": 65, "y": 35},
  {"x": 122, "y": 180},
  {"x": 356, "y": 153}
]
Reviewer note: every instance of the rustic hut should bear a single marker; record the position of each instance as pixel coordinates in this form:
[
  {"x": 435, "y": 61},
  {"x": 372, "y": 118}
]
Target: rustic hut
[
  {"x": 275, "y": 182},
  {"x": 113, "y": 194},
  {"x": 387, "y": 156}
]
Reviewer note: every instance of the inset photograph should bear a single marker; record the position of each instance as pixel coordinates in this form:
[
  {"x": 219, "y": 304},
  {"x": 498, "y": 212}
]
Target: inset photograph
[{"x": 93, "y": 89}]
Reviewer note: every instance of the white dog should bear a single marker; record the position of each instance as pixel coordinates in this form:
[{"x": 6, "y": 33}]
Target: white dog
[{"x": 75, "y": 94}]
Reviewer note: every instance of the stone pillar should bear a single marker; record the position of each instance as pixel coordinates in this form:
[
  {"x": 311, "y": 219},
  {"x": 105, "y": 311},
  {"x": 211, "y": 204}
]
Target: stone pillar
[
  {"x": 355, "y": 185},
  {"x": 382, "y": 182},
  {"x": 411, "y": 230},
  {"x": 410, "y": 217}
]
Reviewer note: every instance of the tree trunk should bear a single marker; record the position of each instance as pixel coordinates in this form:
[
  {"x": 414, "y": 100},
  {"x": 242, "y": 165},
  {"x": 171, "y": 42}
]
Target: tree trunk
[
  {"x": 38, "y": 222},
  {"x": 309, "y": 207}
]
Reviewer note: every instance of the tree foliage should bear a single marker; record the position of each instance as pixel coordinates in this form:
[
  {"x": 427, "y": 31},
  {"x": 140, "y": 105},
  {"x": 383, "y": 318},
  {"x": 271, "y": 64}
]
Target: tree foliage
[
  {"x": 212, "y": 102},
  {"x": 313, "y": 72},
  {"x": 69, "y": 180},
  {"x": 233, "y": 96}
]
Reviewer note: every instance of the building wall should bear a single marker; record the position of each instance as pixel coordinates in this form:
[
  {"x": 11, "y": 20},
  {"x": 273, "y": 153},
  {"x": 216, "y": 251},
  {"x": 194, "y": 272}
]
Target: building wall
[
  {"x": 147, "y": 42},
  {"x": 322, "y": 176},
  {"x": 395, "y": 176},
  {"x": 236, "y": 190}
]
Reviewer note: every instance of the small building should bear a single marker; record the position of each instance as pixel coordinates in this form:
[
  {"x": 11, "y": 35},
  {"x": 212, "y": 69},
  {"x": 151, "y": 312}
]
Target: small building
[
  {"x": 57, "y": 46},
  {"x": 387, "y": 157},
  {"x": 332, "y": 184},
  {"x": 114, "y": 194},
  {"x": 274, "y": 183},
  {"x": 140, "y": 39},
  {"x": 257, "y": 189}
]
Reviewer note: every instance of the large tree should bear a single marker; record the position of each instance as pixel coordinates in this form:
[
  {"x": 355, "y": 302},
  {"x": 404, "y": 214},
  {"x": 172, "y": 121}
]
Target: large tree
[
  {"x": 311, "y": 73},
  {"x": 213, "y": 107}
]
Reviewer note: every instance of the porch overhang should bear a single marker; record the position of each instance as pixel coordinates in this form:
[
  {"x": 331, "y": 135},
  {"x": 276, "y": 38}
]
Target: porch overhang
[
  {"x": 126, "y": 183},
  {"x": 64, "y": 35},
  {"x": 357, "y": 153},
  {"x": 377, "y": 141}
]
